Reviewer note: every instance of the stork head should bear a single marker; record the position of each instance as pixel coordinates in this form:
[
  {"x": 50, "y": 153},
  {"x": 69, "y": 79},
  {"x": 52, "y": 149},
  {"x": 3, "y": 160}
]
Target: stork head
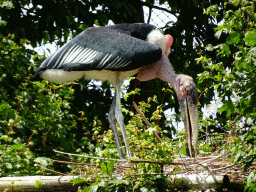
[
  {"x": 184, "y": 87},
  {"x": 187, "y": 95}
]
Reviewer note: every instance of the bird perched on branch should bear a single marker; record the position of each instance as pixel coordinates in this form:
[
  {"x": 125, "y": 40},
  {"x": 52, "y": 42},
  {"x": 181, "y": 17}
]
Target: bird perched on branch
[{"x": 113, "y": 53}]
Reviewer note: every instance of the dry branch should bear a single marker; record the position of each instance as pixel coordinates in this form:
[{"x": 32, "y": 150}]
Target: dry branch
[
  {"x": 73, "y": 163},
  {"x": 86, "y": 156},
  {"x": 146, "y": 121},
  {"x": 52, "y": 171},
  {"x": 212, "y": 159},
  {"x": 157, "y": 162}
]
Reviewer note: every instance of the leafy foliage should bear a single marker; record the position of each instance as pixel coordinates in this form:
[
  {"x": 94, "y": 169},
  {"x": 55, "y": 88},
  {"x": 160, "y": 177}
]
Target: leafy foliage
[
  {"x": 36, "y": 117},
  {"x": 144, "y": 184},
  {"x": 16, "y": 158},
  {"x": 146, "y": 176},
  {"x": 39, "y": 114},
  {"x": 47, "y": 21},
  {"x": 233, "y": 74}
]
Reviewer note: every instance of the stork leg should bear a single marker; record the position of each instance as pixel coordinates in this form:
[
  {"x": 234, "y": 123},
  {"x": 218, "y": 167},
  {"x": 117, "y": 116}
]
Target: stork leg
[
  {"x": 118, "y": 114},
  {"x": 112, "y": 121}
]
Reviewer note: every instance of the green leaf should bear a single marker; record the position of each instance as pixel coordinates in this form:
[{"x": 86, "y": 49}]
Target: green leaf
[
  {"x": 218, "y": 34},
  {"x": 8, "y": 165},
  {"x": 7, "y": 4},
  {"x": 243, "y": 137},
  {"x": 251, "y": 178},
  {"x": 144, "y": 189},
  {"x": 209, "y": 47},
  {"x": 250, "y": 38},
  {"x": 228, "y": 107},
  {"x": 249, "y": 121},
  {"x": 240, "y": 155},
  {"x": 248, "y": 158},
  {"x": 17, "y": 146},
  {"x": 233, "y": 38},
  {"x": 43, "y": 161},
  {"x": 79, "y": 180},
  {"x": 104, "y": 168},
  {"x": 38, "y": 184},
  {"x": 222, "y": 108},
  {"x": 6, "y": 111},
  {"x": 235, "y": 2},
  {"x": 94, "y": 188},
  {"x": 2, "y": 23}
]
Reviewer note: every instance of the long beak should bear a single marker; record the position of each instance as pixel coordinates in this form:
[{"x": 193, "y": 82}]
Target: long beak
[{"x": 189, "y": 111}]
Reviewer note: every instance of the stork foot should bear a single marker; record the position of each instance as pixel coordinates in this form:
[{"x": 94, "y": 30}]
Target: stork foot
[{"x": 119, "y": 118}]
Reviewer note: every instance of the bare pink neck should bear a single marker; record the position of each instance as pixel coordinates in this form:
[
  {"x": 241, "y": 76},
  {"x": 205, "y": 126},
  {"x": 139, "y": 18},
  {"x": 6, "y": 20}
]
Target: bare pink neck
[
  {"x": 166, "y": 72},
  {"x": 161, "y": 69}
]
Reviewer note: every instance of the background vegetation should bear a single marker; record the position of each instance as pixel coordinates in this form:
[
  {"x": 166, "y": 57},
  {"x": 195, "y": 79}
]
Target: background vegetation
[{"x": 214, "y": 43}]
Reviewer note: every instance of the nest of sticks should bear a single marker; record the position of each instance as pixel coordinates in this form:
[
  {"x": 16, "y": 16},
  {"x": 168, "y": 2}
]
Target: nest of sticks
[{"x": 215, "y": 165}]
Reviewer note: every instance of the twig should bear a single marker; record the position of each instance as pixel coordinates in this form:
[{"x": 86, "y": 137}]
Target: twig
[
  {"x": 140, "y": 174},
  {"x": 30, "y": 138},
  {"x": 202, "y": 93},
  {"x": 92, "y": 165},
  {"x": 78, "y": 171},
  {"x": 56, "y": 172},
  {"x": 216, "y": 152},
  {"x": 189, "y": 158},
  {"x": 68, "y": 158},
  {"x": 221, "y": 168},
  {"x": 212, "y": 159},
  {"x": 146, "y": 121},
  {"x": 132, "y": 161},
  {"x": 86, "y": 156},
  {"x": 73, "y": 163},
  {"x": 157, "y": 162}
]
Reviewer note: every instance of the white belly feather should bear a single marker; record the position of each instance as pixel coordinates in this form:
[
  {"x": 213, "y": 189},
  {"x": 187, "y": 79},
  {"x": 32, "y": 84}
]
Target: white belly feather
[{"x": 62, "y": 76}]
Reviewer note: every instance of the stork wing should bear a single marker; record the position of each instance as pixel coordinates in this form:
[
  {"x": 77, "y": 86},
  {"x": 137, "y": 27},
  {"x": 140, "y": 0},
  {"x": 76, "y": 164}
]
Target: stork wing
[{"x": 116, "y": 48}]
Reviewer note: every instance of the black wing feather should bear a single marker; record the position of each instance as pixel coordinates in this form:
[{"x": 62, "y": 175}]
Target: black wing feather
[{"x": 119, "y": 48}]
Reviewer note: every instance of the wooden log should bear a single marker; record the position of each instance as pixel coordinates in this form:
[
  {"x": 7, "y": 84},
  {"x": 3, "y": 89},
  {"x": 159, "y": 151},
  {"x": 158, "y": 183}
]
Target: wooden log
[
  {"x": 37, "y": 183},
  {"x": 200, "y": 181},
  {"x": 62, "y": 183}
]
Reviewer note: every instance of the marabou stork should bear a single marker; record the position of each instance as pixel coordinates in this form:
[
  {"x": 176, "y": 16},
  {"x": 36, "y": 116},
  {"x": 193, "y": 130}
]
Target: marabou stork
[{"x": 113, "y": 53}]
